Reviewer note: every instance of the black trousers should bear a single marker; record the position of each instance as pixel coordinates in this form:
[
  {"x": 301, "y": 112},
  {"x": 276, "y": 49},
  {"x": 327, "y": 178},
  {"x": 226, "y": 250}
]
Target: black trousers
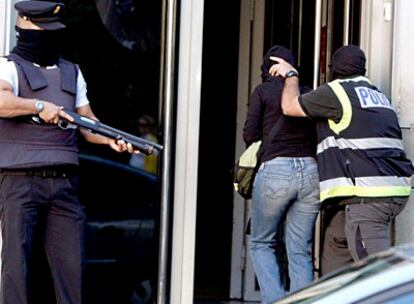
[
  {"x": 33, "y": 206},
  {"x": 357, "y": 230}
]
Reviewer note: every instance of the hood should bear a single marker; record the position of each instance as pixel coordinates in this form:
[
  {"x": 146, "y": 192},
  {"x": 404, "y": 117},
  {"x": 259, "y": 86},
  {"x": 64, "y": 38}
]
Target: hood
[
  {"x": 277, "y": 51},
  {"x": 348, "y": 61}
]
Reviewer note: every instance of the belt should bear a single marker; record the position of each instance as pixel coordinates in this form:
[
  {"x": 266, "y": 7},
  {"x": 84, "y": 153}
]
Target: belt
[{"x": 45, "y": 172}]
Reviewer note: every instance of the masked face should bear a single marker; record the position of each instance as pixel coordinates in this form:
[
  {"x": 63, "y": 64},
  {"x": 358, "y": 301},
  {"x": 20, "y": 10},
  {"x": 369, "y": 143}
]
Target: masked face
[
  {"x": 38, "y": 46},
  {"x": 348, "y": 61}
]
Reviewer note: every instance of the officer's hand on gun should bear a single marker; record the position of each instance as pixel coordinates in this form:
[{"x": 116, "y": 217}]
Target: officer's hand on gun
[
  {"x": 121, "y": 146},
  {"x": 51, "y": 113}
]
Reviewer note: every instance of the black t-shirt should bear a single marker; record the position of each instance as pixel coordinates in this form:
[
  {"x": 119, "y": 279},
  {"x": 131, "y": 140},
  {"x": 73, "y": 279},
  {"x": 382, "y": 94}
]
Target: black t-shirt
[
  {"x": 321, "y": 103},
  {"x": 294, "y": 137}
]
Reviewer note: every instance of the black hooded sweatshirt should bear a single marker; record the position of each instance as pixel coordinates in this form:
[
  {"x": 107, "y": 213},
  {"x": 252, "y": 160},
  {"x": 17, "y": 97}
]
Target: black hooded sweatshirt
[{"x": 296, "y": 136}]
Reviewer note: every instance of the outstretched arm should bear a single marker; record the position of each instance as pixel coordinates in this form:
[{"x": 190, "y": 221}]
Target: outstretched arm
[{"x": 290, "y": 95}]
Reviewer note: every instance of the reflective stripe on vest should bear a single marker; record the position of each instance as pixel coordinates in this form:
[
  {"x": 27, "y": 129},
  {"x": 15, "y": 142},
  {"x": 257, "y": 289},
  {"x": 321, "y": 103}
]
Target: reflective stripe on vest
[
  {"x": 360, "y": 143},
  {"x": 345, "y": 102},
  {"x": 346, "y": 108},
  {"x": 373, "y": 186}
]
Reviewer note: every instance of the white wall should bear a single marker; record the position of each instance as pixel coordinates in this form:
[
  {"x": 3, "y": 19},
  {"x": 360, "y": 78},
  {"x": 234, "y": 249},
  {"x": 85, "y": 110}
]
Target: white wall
[
  {"x": 386, "y": 38},
  {"x": 403, "y": 99},
  {"x": 376, "y": 41},
  {"x": 7, "y": 21}
]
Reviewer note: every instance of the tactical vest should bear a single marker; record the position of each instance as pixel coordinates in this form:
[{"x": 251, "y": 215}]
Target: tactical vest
[
  {"x": 24, "y": 144},
  {"x": 362, "y": 155}
]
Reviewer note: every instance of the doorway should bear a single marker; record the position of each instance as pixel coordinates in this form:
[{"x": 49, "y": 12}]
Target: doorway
[{"x": 290, "y": 23}]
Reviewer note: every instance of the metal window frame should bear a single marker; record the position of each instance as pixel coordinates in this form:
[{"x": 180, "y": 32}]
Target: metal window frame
[{"x": 401, "y": 96}]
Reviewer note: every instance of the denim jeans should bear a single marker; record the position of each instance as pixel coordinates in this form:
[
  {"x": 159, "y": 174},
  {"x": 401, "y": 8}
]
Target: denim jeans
[{"x": 284, "y": 186}]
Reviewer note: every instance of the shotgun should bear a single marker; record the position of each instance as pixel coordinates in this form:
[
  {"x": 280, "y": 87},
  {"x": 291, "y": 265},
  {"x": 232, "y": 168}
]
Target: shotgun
[{"x": 145, "y": 146}]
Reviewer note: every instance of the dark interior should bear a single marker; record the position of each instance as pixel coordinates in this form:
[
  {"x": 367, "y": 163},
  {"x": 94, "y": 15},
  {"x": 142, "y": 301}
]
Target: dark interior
[
  {"x": 282, "y": 28},
  {"x": 217, "y": 144}
]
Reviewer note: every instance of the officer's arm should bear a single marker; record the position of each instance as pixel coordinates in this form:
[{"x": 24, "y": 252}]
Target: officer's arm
[
  {"x": 290, "y": 98},
  {"x": 90, "y": 137},
  {"x": 290, "y": 95},
  {"x": 12, "y": 105},
  {"x": 119, "y": 146}
]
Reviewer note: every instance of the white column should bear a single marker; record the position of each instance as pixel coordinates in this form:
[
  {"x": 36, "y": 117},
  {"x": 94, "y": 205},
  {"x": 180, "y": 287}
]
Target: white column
[
  {"x": 403, "y": 99},
  {"x": 4, "y": 26},
  {"x": 7, "y": 20},
  {"x": 237, "y": 250},
  {"x": 186, "y": 162},
  {"x": 347, "y": 10},
  {"x": 317, "y": 44}
]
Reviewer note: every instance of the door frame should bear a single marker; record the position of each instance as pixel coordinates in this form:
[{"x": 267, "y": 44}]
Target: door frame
[
  {"x": 187, "y": 151},
  {"x": 252, "y": 13}
]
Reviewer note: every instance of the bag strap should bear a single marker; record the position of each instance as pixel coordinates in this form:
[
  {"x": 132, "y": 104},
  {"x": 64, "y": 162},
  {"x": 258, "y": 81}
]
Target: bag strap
[{"x": 271, "y": 134}]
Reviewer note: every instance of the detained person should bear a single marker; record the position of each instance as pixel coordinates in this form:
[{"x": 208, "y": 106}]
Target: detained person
[
  {"x": 38, "y": 162},
  {"x": 363, "y": 169},
  {"x": 285, "y": 186}
]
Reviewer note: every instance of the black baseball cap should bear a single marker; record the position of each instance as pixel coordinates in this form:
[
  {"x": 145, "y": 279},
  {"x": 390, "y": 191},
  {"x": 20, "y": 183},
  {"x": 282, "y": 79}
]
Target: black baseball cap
[{"x": 44, "y": 14}]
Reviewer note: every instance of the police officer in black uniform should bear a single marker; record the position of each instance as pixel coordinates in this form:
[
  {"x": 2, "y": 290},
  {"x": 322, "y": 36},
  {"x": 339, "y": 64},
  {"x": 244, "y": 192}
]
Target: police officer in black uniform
[
  {"x": 365, "y": 176},
  {"x": 38, "y": 162}
]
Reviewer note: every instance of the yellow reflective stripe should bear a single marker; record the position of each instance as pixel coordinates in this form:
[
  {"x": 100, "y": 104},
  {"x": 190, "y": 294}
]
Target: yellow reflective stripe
[
  {"x": 346, "y": 108},
  {"x": 365, "y": 191}
]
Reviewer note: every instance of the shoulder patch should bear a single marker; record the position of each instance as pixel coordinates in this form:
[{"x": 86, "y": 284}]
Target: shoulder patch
[{"x": 370, "y": 98}]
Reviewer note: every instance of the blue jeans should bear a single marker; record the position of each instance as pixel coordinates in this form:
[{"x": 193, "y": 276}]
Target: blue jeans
[{"x": 282, "y": 186}]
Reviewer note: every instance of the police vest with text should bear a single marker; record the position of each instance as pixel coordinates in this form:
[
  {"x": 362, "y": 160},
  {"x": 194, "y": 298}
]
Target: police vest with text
[{"x": 362, "y": 154}]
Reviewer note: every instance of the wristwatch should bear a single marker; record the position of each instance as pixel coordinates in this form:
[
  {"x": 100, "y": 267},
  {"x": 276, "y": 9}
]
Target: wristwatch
[
  {"x": 39, "y": 105},
  {"x": 292, "y": 73}
]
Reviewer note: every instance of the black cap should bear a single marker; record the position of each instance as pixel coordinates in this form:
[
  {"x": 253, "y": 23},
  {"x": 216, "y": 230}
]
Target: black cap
[{"x": 44, "y": 14}]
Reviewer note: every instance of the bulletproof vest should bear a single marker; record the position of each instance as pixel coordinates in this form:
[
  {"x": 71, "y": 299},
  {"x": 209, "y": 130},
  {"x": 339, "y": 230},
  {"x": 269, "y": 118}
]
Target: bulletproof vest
[
  {"x": 362, "y": 155},
  {"x": 24, "y": 144}
]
